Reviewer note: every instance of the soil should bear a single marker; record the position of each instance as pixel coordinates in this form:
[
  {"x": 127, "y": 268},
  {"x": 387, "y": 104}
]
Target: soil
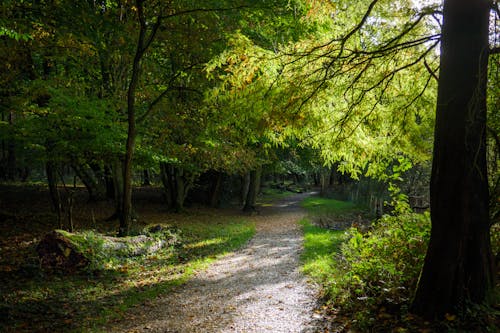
[{"x": 256, "y": 289}]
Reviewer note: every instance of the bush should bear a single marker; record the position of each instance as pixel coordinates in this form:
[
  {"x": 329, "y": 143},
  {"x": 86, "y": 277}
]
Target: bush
[{"x": 381, "y": 267}]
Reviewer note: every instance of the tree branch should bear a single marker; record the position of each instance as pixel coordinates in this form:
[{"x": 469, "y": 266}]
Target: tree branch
[
  {"x": 169, "y": 88},
  {"x": 202, "y": 10},
  {"x": 429, "y": 69}
]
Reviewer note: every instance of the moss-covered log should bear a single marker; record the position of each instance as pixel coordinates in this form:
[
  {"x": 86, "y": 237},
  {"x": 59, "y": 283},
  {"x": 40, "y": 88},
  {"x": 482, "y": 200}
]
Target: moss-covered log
[{"x": 73, "y": 252}]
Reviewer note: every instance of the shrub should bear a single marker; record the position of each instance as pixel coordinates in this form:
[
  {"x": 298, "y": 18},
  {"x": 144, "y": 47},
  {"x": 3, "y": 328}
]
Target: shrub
[{"x": 381, "y": 266}]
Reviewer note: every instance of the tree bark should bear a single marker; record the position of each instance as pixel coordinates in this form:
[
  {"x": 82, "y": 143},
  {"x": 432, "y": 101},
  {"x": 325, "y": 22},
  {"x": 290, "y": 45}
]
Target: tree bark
[
  {"x": 458, "y": 267},
  {"x": 143, "y": 43},
  {"x": 177, "y": 183},
  {"x": 117, "y": 183}
]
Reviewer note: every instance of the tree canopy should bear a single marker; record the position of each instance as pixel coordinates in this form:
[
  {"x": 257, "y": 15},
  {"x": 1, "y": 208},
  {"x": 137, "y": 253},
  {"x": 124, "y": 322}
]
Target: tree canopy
[{"x": 111, "y": 88}]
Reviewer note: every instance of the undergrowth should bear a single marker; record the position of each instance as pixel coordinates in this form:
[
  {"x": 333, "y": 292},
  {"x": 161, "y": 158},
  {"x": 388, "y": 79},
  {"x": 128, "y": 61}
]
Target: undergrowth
[{"x": 369, "y": 277}]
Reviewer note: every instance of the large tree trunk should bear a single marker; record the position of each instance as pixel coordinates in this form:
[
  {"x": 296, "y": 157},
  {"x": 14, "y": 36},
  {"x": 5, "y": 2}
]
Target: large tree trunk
[
  {"x": 181, "y": 190},
  {"x": 458, "y": 266},
  {"x": 146, "y": 178}
]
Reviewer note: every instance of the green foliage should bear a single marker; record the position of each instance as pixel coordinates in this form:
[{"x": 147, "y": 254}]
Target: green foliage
[
  {"x": 383, "y": 265},
  {"x": 14, "y": 34},
  {"x": 362, "y": 270},
  {"x": 362, "y": 273}
]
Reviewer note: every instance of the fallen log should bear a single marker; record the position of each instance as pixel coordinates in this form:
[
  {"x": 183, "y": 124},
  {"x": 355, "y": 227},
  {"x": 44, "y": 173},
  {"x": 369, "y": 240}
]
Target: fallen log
[{"x": 71, "y": 252}]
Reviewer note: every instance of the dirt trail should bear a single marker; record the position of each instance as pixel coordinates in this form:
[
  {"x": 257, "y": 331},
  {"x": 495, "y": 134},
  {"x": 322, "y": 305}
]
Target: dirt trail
[{"x": 257, "y": 289}]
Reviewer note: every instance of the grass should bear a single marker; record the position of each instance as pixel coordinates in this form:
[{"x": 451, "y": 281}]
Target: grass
[
  {"x": 272, "y": 194},
  {"x": 321, "y": 245},
  {"x": 325, "y": 206},
  {"x": 35, "y": 301},
  {"x": 318, "y": 257}
]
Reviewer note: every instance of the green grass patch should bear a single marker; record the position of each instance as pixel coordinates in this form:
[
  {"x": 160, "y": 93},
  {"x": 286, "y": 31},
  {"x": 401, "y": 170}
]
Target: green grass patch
[
  {"x": 318, "y": 205},
  {"x": 320, "y": 247},
  {"x": 32, "y": 300},
  {"x": 270, "y": 195}
]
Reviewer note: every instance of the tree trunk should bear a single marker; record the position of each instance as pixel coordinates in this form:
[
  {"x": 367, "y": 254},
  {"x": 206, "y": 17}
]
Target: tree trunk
[
  {"x": 109, "y": 181},
  {"x": 166, "y": 179},
  {"x": 146, "y": 181},
  {"x": 215, "y": 191},
  {"x": 55, "y": 197},
  {"x": 10, "y": 172},
  {"x": 117, "y": 183},
  {"x": 177, "y": 183},
  {"x": 126, "y": 211},
  {"x": 458, "y": 267},
  {"x": 245, "y": 186},
  {"x": 253, "y": 190},
  {"x": 324, "y": 181},
  {"x": 181, "y": 191},
  {"x": 88, "y": 179}
]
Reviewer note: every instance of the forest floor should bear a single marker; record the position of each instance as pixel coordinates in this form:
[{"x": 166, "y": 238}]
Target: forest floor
[
  {"x": 259, "y": 288},
  {"x": 256, "y": 289}
]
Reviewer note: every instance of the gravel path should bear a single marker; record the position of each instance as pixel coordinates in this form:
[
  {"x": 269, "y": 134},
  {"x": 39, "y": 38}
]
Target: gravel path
[{"x": 257, "y": 289}]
